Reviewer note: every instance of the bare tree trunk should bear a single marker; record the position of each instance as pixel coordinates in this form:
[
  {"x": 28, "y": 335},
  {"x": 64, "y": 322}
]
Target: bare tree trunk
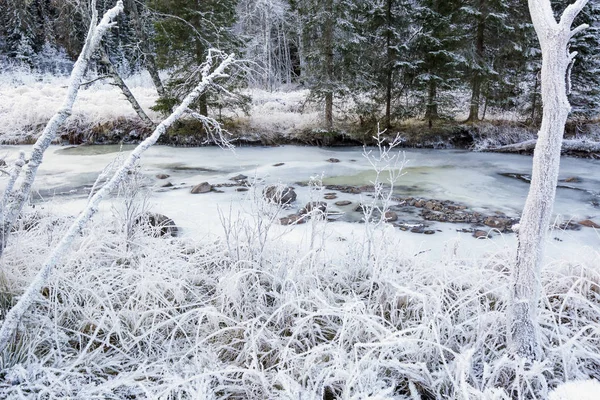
[
  {"x": 114, "y": 74},
  {"x": 94, "y": 36},
  {"x": 431, "y": 112},
  {"x": 554, "y": 40},
  {"x": 13, "y": 317}
]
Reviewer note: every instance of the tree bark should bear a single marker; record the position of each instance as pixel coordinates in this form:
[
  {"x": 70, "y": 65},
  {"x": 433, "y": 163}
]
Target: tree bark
[
  {"x": 114, "y": 74},
  {"x": 554, "y": 39},
  {"x": 431, "y": 112},
  {"x": 13, "y": 317}
]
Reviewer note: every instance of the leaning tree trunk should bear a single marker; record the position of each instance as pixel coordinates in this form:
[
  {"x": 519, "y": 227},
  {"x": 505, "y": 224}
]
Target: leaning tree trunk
[
  {"x": 9, "y": 214},
  {"x": 554, "y": 39},
  {"x": 118, "y": 81},
  {"x": 11, "y": 322}
]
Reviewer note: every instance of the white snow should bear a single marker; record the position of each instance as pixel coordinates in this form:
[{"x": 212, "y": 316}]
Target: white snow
[{"x": 577, "y": 390}]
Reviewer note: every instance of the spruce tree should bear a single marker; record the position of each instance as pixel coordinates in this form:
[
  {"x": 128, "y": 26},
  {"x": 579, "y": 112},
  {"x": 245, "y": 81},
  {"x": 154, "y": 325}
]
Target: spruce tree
[{"x": 185, "y": 31}]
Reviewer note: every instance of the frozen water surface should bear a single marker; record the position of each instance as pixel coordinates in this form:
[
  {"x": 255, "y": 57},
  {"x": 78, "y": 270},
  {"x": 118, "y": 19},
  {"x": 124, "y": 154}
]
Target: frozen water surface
[{"x": 483, "y": 181}]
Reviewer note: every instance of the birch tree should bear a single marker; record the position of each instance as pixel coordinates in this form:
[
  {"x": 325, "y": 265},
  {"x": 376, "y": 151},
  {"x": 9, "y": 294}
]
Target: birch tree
[
  {"x": 9, "y": 214},
  {"x": 13, "y": 317},
  {"x": 557, "y": 60}
]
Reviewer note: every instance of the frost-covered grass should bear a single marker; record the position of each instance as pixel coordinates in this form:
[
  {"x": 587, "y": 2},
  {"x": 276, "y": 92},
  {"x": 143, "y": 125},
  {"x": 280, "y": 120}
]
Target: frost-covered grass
[
  {"x": 28, "y": 101},
  {"x": 248, "y": 316}
]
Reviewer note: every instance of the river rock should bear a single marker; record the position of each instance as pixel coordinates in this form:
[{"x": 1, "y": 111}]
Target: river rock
[
  {"x": 292, "y": 219},
  {"x": 238, "y": 178},
  {"x": 166, "y": 185},
  {"x": 241, "y": 189},
  {"x": 573, "y": 179},
  {"x": 330, "y": 197},
  {"x": 418, "y": 229},
  {"x": 157, "y": 225},
  {"x": 279, "y": 164},
  {"x": 497, "y": 223},
  {"x": 390, "y": 216},
  {"x": 343, "y": 203},
  {"x": 478, "y": 234},
  {"x": 313, "y": 205},
  {"x": 203, "y": 187},
  {"x": 333, "y": 160},
  {"x": 428, "y": 231},
  {"x": 279, "y": 194},
  {"x": 162, "y": 176},
  {"x": 589, "y": 224}
]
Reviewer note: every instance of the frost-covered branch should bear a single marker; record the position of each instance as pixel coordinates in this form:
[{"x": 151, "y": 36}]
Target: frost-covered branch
[
  {"x": 571, "y": 12},
  {"x": 16, "y": 313},
  {"x": 94, "y": 36}
]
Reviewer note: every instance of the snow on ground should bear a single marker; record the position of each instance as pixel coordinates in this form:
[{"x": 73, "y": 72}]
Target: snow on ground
[
  {"x": 28, "y": 101},
  {"x": 271, "y": 312}
]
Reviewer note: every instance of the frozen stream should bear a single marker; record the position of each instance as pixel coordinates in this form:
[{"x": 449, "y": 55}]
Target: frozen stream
[{"x": 482, "y": 181}]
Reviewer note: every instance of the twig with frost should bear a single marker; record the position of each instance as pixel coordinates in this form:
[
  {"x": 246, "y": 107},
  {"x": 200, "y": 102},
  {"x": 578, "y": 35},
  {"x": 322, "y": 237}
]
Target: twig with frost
[
  {"x": 13, "y": 317},
  {"x": 93, "y": 38},
  {"x": 384, "y": 161}
]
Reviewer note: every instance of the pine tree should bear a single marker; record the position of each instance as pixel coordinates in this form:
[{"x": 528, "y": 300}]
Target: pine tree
[
  {"x": 585, "y": 85},
  {"x": 185, "y": 31},
  {"x": 492, "y": 48},
  {"x": 327, "y": 30},
  {"x": 377, "y": 58},
  {"x": 436, "y": 53}
]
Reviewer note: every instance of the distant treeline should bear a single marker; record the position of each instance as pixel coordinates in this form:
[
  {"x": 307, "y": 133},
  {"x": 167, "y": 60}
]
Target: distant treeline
[{"x": 396, "y": 59}]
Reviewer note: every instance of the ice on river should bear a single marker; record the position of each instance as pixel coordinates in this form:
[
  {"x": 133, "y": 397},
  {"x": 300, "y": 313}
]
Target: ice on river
[{"x": 486, "y": 182}]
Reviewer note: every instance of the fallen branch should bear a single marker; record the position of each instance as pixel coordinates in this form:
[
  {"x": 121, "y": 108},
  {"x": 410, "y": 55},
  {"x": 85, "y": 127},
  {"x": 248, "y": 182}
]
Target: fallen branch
[
  {"x": 13, "y": 317},
  {"x": 567, "y": 145}
]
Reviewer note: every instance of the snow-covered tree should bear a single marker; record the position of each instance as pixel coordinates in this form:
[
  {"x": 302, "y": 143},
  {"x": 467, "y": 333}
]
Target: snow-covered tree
[
  {"x": 378, "y": 57},
  {"x": 554, "y": 40},
  {"x": 327, "y": 29},
  {"x": 268, "y": 28},
  {"x": 185, "y": 31},
  {"x": 15, "y": 199}
]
